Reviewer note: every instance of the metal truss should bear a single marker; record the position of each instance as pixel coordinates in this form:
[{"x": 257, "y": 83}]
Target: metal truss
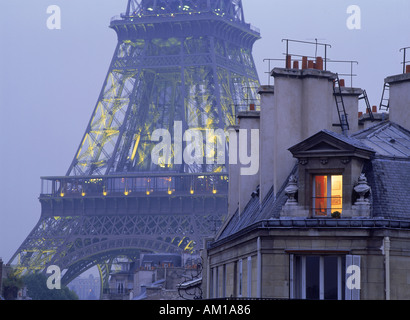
[
  {"x": 195, "y": 74},
  {"x": 76, "y": 243},
  {"x": 231, "y": 8},
  {"x": 179, "y": 60}
]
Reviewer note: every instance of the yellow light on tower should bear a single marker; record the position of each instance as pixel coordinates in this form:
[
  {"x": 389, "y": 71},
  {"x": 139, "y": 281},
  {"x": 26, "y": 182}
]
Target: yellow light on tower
[
  {"x": 147, "y": 192},
  {"x": 214, "y": 191},
  {"x": 62, "y": 194},
  {"x": 191, "y": 191},
  {"x": 169, "y": 191},
  {"x": 83, "y": 193},
  {"x": 104, "y": 193},
  {"x": 126, "y": 192}
]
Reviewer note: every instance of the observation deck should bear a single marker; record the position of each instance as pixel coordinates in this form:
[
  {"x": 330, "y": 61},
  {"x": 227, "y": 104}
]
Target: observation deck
[{"x": 151, "y": 193}]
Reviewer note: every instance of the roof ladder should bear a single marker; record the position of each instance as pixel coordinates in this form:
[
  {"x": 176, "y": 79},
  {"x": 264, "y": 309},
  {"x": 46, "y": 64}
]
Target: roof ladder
[
  {"x": 364, "y": 97},
  {"x": 340, "y": 106},
  {"x": 385, "y": 101}
]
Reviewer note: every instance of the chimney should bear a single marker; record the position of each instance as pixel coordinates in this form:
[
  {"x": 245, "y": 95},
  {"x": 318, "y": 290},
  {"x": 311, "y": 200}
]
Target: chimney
[
  {"x": 243, "y": 173},
  {"x": 266, "y": 146},
  {"x": 351, "y": 103},
  {"x": 303, "y": 104},
  {"x": 304, "y": 63},
  {"x": 248, "y": 182},
  {"x": 288, "y": 61},
  {"x": 399, "y": 99},
  {"x": 319, "y": 63},
  {"x": 233, "y": 167},
  {"x": 408, "y": 68}
]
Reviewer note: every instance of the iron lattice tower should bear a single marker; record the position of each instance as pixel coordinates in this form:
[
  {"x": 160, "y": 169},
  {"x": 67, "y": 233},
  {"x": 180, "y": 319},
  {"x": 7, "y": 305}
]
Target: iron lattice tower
[{"x": 186, "y": 61}]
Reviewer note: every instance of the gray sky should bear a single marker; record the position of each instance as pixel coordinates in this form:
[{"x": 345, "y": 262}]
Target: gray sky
[{"x": 50, "y": 79}]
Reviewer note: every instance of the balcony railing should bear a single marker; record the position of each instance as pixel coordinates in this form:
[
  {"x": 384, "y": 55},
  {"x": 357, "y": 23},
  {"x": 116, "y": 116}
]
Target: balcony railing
[{"x": 134, "y": 184}]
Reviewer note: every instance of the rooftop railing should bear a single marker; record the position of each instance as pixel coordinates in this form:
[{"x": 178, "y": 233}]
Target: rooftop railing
[
  {"x": 344, "y": 68},
  {"x": 405, "y": 61}
]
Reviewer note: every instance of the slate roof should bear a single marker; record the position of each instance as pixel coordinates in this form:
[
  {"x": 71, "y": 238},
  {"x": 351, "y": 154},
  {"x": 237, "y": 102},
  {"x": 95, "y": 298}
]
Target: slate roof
[
  {"x": 357, "y": 143},
  {"x": 390, "y": 183},
  {"x": 254, "y": 212},
  {"x": 387, "y": 139},
  {"x": 388, "y": 174}
]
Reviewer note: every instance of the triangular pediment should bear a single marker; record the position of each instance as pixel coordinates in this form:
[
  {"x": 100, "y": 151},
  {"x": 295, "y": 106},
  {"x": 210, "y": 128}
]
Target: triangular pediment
[
  {"x": 323, "y": 145},
  {"x": 329, "y": 143}
]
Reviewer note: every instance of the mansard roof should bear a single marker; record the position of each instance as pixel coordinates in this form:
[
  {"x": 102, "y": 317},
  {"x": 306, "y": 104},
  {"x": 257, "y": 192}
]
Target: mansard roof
[
  {"x": 387, "y": 139},
  {"x": 387, "y": 172}
]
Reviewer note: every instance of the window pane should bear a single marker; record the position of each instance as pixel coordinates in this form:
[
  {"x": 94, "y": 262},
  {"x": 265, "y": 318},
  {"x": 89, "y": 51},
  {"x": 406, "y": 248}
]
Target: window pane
[
  {"x": 337, "y": 193},
  {"x": 320, "y": 195},
  {"x": 297, "y": 277},
  {"x": 330, "y": 278},
  {"x": 312, "y": 277}
]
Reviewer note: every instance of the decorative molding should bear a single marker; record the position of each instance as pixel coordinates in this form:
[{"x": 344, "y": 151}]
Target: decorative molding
[
  {"x": 362, "y": 188},
  {"x": 303, "y": 162},
  {"x": 291, "y": 190},
  {"x": 324, "y": 161}
]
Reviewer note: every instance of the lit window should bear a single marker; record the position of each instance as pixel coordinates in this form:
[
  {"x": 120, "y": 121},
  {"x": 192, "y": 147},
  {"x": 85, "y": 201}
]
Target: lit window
[{"x": 327, "y": 194}]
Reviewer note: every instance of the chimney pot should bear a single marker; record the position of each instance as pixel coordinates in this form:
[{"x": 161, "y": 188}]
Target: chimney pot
[
  {"x": 360, "y": 114},
  {"x": 342, "y": 83},
  {"x": 374, "y": 109},
  {"x": 295, "y": 64},
  {"x": 319, "y": 63},
  {"x": 288, "y": 61},
  {"x": 304, "y": 63},
  {"x": 310, "y": 64},
  {"x": 408, "y": 68},
  {"x": 252, "y": 107}
]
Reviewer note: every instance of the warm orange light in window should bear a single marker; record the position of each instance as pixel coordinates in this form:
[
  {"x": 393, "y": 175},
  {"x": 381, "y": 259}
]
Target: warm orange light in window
[
  {"x": 327, "y": 194},
  {"x": 337, "y": 193},
  {"x": 320, "y": 195}
]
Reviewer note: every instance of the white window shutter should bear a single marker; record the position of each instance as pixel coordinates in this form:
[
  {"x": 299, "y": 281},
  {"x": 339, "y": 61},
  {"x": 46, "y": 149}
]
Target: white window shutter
[
  {"x": 352, "y": 293},
  {"x": 356, "y": 292}
]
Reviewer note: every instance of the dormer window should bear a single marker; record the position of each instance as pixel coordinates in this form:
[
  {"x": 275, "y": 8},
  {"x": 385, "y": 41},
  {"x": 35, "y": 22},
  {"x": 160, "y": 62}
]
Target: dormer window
[
  {"x": 329, "y": 165},
  {"x": 327, "y": 195}
]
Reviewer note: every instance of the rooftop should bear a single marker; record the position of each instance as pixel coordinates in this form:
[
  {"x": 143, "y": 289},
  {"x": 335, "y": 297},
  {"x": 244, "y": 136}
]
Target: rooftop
[
  {"x": 388, "y": 174},
  {"x": 387, "y": 139}
]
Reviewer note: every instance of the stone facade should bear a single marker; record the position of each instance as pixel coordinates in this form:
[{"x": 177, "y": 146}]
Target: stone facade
[
  {"x": 270, "y": 273},
  {"x": 277, "y": 245}
]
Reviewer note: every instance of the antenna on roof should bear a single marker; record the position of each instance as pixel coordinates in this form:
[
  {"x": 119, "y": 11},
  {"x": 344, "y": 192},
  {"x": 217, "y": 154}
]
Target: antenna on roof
[{"x": 316, "y": 41}]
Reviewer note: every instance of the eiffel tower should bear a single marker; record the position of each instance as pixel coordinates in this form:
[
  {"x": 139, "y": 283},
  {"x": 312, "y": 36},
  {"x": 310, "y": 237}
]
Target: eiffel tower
[{"x": 184, "y": 62}]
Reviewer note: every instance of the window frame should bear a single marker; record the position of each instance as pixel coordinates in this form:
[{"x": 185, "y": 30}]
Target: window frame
[
  {"x": 298, "y": 281},
  {"x": 311, "y": 191}
]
